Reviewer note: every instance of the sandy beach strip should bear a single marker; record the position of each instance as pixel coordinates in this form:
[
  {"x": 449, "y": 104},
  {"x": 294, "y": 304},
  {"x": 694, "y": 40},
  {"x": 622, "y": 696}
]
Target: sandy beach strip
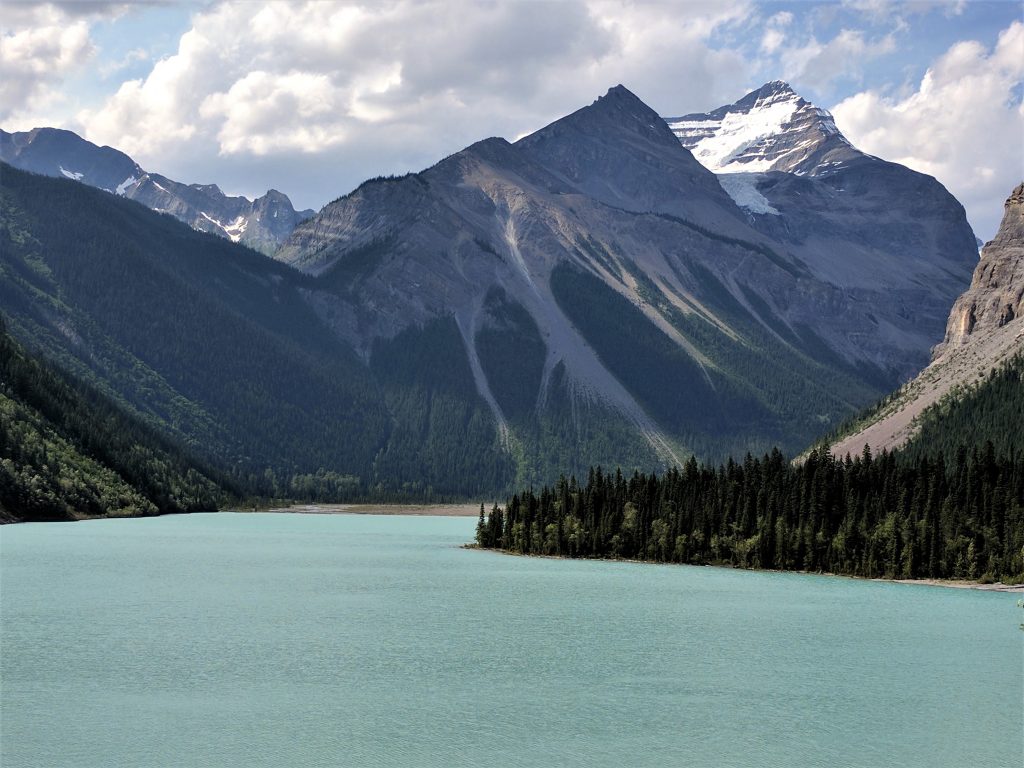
[{"x": 959, "y": 584}]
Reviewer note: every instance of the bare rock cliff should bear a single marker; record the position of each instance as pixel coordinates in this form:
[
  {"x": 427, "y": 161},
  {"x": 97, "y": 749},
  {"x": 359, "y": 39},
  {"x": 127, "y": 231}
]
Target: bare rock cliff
[{"x": 996, "y": 295}]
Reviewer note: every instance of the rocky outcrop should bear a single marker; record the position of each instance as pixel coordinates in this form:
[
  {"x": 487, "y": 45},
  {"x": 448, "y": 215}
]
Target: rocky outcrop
[
  {"x": 985, "y": 328},
  {"x": 996, "y": 295}
]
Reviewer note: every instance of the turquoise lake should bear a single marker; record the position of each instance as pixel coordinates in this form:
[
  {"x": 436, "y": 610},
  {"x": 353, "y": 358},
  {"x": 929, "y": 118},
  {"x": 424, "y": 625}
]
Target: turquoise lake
[{"x": 315, "y": 640}]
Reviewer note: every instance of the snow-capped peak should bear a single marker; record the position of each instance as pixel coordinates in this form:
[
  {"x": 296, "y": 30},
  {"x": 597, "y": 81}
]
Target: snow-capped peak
[{"x": 769, "y": 129}]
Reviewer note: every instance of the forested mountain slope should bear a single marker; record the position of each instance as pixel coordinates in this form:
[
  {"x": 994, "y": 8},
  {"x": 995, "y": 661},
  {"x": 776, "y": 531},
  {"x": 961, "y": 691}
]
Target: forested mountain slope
[
  {"x": 68, "y": 452},
  {"x": 210, "y": 340},
  {"x": 991, "y": 410},
  {"x": 217, "y": 345}
]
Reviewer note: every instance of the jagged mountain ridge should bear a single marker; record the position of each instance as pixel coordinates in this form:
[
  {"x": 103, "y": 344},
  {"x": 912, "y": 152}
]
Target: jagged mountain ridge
[
  {"x": 263, "y": 223},
  {"x": 770, "y": 129},
  {"x": 985, "y": 329},
  {"x": 608, "y": 192}
]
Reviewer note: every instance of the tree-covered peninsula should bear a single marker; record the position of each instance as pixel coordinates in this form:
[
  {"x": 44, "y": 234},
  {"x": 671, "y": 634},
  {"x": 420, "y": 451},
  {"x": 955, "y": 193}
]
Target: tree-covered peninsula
[{"x": 885, "y": 516}]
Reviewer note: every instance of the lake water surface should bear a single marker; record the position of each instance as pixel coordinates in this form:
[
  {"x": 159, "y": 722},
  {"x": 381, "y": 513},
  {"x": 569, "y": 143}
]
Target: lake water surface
[{"x": 309, "y": 640}]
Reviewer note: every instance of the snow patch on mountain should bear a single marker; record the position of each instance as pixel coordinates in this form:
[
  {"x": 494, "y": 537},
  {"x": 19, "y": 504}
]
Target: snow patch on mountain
[
  {"x": 120, "y": 190},
  {"x": 234, "y": 230},
  {"x": 71, "y": 174},
  {"x": 742, "y": 188},
  {"x": 722, "y": 141}
]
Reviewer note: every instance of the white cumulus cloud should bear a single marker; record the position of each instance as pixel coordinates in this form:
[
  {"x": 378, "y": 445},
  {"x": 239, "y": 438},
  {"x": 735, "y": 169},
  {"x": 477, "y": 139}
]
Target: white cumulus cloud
[
  {"x": 334, "y": 92},
  {"x": 817, "y": 64},
  {"x": 964, "y": 124},
  {"x": 39, "y": 47},
  {"x": 774, "y": 33}
]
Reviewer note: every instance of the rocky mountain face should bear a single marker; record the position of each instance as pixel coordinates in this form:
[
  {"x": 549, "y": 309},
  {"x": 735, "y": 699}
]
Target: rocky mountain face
[
  {"x": 996, "y": 295},
  {"x": 985, "y": 328},
  {"x": 850, "y": 217},
  {"x": 263, "y": 223},
  {"x": 640, "y": 283}
]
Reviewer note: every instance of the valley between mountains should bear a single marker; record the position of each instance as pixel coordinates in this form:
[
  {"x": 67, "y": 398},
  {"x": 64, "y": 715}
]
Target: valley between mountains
[{"x": 615, "y": 289}]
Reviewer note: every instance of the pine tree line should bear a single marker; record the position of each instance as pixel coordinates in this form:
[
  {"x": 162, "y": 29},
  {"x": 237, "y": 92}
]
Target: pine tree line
[{"x": 886, "y": 516}]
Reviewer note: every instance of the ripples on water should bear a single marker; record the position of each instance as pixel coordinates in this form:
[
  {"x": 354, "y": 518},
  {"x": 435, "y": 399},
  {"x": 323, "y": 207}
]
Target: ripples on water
[{"x": 309, "y": 640}]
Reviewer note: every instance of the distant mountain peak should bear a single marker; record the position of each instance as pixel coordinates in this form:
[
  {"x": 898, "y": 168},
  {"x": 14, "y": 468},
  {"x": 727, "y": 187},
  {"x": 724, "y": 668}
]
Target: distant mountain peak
[
  {"x": 620, "y": 98},
  {"x": 772, "y": 128},
  {"x": 488, "y": 146},
  {"x": 778, "y": 87},
  {"x": 210, "y": 189},
  {"x": 620, "y": 112},
  {"x": 61, "y": 153},
  {"x": 619, "y": 92},
  {"x": 619, "y": 151}
]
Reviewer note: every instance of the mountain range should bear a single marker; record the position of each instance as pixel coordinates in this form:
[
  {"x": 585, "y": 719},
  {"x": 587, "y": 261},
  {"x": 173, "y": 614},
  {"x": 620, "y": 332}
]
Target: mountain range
[
  {"x": 588, "y": 294},
  {"x": 262, "y": 223},
  {"x": 603, "y": 209}
]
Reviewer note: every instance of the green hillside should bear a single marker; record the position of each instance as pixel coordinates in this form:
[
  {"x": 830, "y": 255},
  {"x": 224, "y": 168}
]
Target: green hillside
[
  {"x": 990, "y": 411},
  {"x": 67, "y": 452},
  {"x": 210, "y": 340}
]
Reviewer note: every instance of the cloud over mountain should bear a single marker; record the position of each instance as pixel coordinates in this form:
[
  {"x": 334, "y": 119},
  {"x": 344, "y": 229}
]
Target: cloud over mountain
[
  {"x": 315, "y": 97},
  {"x": 963, "y": 123},
  {"x": 388, "y": 87}
]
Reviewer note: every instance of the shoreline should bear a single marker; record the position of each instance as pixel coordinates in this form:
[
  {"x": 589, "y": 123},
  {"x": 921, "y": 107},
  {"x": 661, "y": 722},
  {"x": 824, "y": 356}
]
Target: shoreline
[
  {"x": 926, "y": 582},
  {"x": 997, "y": 586},
  {"x": 423, "y": 510}
]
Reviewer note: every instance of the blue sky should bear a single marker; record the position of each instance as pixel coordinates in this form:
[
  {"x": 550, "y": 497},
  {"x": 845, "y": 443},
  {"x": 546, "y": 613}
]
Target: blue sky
[
  {"x": 920, "y": 35},
  {"x": 311, "y": 98}
]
